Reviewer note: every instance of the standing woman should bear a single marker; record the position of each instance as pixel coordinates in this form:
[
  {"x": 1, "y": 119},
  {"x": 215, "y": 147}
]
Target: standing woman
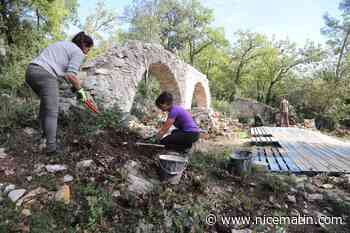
[{"x": 61, "y": 60}]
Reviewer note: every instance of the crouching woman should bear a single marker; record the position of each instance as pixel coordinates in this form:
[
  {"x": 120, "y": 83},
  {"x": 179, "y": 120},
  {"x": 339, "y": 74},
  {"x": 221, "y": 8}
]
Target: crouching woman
[{"x": 186, "y": 132}]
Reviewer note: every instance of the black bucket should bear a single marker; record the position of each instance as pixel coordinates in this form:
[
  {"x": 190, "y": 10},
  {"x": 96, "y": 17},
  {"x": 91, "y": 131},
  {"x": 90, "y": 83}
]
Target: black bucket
[{"x": 241, "y": 162}]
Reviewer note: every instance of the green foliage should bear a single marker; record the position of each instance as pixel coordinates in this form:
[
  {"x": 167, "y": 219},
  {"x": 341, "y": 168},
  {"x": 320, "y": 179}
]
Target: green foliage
[
  {"x": 26, "y": 27},
  {"x": 147, "y": 91},
  {"x": 16, "y": 114},
  {"x": 273, "y": 184},
  {"x": 101, "y": 21},
  {"x": 223, "y": 106},
  {"x": 9, "y": 217},
  {"x": 98, "y": 204},
  {"x": 88, "y": 123},
  {"x": 180, "y": 26}
]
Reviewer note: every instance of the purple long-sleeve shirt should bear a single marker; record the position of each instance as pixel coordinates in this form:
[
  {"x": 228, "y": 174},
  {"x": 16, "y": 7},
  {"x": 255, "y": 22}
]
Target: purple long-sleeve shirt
[{"x": 183, "y": 119}]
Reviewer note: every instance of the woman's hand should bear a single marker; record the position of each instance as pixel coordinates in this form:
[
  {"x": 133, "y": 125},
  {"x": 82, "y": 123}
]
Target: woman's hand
[{"x": 165, "y": 128}]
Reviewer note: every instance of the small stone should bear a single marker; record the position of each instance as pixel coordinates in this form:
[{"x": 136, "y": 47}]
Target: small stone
[
  {"x": 295, "y": 212},
  {"x": 55, "y": 168},
  {"x": 63, "y": 194},
  {"x": 102, "y": 71},
  {"x": 327, "y": 186},
  {"x": 293, "y": 190},
  {"x": 271, "y": 199},
  {"x": 38, "y": 167},
  {"x": 139, "y": 185},
  {"x": 334, "y": 197},
  {"x": 315, "y": 197},
  {"x": 26, "y": 212},
  {"x": 292, "y": 199},
  {"x": 29, "y": 131},
  {"x": 29, "y": 178},
  {"x": 68, "y": 178},
  {"x": 9, "y": 188},
  {"x": 31, "y": 195},
  {"x": 241, "y": 231},
  {"x": 252, "y": 184},
  {"x": 14, "y": 195},
  {"x": 3, "y": 155},
  {"x": 310, "y": 188},
  {"x": 85, "y": 163},
  {"x": 116, "y": 194}
]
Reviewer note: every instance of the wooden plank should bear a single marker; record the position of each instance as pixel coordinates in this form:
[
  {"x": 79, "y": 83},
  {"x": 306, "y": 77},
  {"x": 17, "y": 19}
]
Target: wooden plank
[
  {"x": 297, "y": 157},
  {"x": 257, "y": 156},
  {"x": 302, "y": 158},
  {"x": 293, "y": 167},
  {"x": 279, "y": 160},
  {"x": 264, "y": 158},
  {"x": 271, "y": 160},
  {"x": 252, "y": 131},
  {"x": 311, "y": 158},
  {"x": 338, "y": 155},
  {"x": 332, "y": 157},
  {"x": 322, "y": 158}
]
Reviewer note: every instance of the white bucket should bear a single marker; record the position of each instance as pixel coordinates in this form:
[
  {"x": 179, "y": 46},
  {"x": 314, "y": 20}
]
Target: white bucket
[{"x": 172, "y": 167}]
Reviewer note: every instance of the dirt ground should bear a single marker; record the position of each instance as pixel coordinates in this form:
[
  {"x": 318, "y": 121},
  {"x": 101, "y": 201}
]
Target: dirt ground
[{"x": 207, "y": 186}]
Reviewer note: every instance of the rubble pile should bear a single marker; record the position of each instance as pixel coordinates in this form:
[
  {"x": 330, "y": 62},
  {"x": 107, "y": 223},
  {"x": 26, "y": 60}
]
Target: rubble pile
[{"x": 216, "y": 124}]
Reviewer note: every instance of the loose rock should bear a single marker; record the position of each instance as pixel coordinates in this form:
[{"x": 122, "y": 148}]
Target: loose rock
[
  {"x": 85, "y": 164},
  {"x": 55, "y": 168},
  {"x": 26, "y": 212},
  {"x": 327, "y": 186},
  {"x": 116, "y": 194},
  {"x": 68, "y": 178},
  {"x": 291, "y": 199},
  {"x": 3, "y": 155},
  {"x": 314, "y": 197},
  {"x": 31, "y": 195},
  {"x": 9, "y": 188},
  {"x": 241, "y": 231},
  {"x": 14, "y": 195},
  {"x": 139, "y": 185}
]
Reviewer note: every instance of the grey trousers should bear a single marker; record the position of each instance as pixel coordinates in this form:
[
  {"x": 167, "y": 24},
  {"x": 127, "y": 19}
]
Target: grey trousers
[{"x": 45, "y": 85}]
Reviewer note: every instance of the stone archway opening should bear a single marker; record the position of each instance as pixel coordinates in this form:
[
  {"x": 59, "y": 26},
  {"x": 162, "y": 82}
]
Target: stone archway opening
[
  {"x": 199, "y": 99},
  {"x": 166, "y": 80},
  {"x": 156, "y": 79}
]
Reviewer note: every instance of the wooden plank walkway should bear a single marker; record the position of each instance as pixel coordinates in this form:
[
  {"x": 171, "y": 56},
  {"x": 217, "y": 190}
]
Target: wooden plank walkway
[{"x": 300, "y": 150}]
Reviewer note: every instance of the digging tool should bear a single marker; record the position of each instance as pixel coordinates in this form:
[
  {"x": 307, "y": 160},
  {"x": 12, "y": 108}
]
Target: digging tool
[
  {"x": 86, "y": 100},
  {"x": 144, "y": 144},
  {"x": 150, "y": 142}
]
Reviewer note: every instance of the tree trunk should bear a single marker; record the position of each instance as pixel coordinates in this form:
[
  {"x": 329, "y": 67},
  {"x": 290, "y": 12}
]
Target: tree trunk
[
  {"x": 341, "y": 54},
  {"x": 269, "y": 93}
]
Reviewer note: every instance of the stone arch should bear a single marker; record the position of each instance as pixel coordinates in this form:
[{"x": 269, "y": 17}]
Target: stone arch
[
  {"x": 113, "y": 77},
  {"x": 166, "y": 80},
  {"x": 200, "y": 96}
]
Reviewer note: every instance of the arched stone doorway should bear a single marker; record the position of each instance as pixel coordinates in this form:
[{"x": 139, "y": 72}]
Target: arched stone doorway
[
  {"x": 166, "y": 80},
  {"x": 199, "y": 99}
]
